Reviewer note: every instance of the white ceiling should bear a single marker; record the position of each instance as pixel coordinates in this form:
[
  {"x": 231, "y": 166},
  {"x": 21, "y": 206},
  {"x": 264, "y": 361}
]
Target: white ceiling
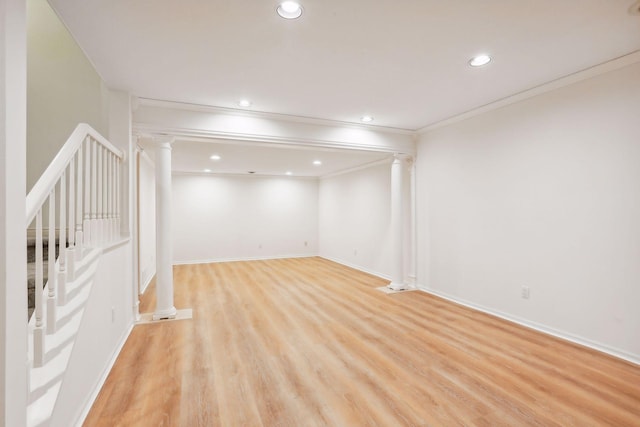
[{"x": 402, "y": 61}]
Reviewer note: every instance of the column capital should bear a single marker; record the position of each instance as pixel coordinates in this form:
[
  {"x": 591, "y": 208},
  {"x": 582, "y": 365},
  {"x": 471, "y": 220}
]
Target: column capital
[
  {"x": 403, "y": 157},
  {"x": 163, "y": 141},
  {"x": 410, "y": 160}
]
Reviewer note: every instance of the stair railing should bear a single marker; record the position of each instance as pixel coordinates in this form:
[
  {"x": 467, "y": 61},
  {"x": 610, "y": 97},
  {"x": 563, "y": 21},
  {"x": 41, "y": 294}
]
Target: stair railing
[{"x": 86, "y": 174}]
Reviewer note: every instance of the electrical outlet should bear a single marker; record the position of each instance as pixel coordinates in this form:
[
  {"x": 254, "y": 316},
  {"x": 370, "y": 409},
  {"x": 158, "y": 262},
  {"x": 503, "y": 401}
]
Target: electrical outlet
[
  {"x": 305, "y": 243},
  {"x": 113, "y": 314},
  {"x": 355, "y": 252},
  {"x": 525, "y": 292}
]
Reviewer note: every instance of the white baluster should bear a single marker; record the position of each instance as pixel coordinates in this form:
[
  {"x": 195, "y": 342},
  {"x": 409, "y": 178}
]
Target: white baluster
[
  {"x": 118, "y": 197},
  {"x": 72, "y": 199},
  {"x": 78, "y": 229},
  {"x": 86, "y": 223},
  {"x": 114, "y": 161},
  {"x": 51, "y": 300},
  {"x": 38, "y": 332},
  {"x": 108, "y": 188},
  {"x": 105, "y": 188},
  {"x": 94, "y": 194},
  {"x": 62, "y": 265},
  {"x": 71, "y": 250},
  {"x": 99, "y": 212}
]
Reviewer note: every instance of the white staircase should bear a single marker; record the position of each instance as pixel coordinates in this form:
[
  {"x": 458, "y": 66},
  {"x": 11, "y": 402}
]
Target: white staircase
[
  {"x": 45, "y": 381},
  {"x": 79, "y": 193}
]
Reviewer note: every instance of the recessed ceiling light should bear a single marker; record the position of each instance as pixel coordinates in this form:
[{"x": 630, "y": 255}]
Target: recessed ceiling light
[
  {"x": 289, "y": 9},
  {"x": 317, "y": 162},
  {"x": 480, "y": 60},
  {"x": 207, "y": 170},
  {"x": 244, "y": 103},
  {"x": 215, "y": 157},
  {"x": 366, "y": 119},
  {"x": 289, "y": 173}
]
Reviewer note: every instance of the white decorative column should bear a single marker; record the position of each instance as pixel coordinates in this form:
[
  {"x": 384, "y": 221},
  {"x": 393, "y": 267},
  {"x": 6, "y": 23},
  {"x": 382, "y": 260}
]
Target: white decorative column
[
  {"x": 412, "y": 225},
  {"x": 397, "y": 231},
  {"x": 164, "y": 252},
  {"x": 135, "y": 227}
]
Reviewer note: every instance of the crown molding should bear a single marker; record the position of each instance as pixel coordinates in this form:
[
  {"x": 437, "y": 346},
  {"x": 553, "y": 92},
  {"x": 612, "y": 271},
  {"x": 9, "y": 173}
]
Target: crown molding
[
  {"x": 386, "y": 161},
  {"x": 157, "y": 103},
  {"x": 596, "y": 70},
  {"x": 149, "y": 130}
]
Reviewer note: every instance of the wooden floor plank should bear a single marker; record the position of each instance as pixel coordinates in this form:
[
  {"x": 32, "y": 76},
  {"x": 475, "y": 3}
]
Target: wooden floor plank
[{"x": 308, "y": 342}]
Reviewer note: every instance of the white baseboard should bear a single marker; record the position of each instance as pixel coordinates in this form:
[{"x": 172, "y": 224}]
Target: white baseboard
[
  {"x": 620, "y": 354},
  {"x": 94, "y": 394},
  {"x": 257, "y": 258},
  {"x": 357, "y": 267}
]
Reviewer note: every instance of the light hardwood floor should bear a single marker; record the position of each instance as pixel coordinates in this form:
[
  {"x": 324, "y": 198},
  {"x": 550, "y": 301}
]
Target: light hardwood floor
[{"x": 308, "y": 342}]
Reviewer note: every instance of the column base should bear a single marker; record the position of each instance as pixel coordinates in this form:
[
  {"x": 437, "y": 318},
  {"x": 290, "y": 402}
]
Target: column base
[
  {"x": 397, "y": 286},
  {"x": 169, "y": 313},
  {"x": 182, "y": 314}
]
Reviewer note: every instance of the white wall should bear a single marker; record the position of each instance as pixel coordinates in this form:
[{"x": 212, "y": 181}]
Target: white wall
[
  {"x": 63, "y": 89},
  {"x": 354, "y": 219},
  {"x": 106, "y": 323},
  {"x": 217, "y": 217},
  {"x": 147, "y": 215},
  {"x": 544, "y": 193}
]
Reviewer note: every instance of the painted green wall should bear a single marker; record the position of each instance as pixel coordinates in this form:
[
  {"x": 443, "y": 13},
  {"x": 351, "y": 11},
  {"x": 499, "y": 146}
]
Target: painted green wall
[{"x": 63, "y": 88}]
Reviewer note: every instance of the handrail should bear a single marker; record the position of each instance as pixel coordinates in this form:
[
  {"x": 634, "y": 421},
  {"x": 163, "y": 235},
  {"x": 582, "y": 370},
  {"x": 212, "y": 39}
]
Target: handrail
[{"x": 41, "y": 190}]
